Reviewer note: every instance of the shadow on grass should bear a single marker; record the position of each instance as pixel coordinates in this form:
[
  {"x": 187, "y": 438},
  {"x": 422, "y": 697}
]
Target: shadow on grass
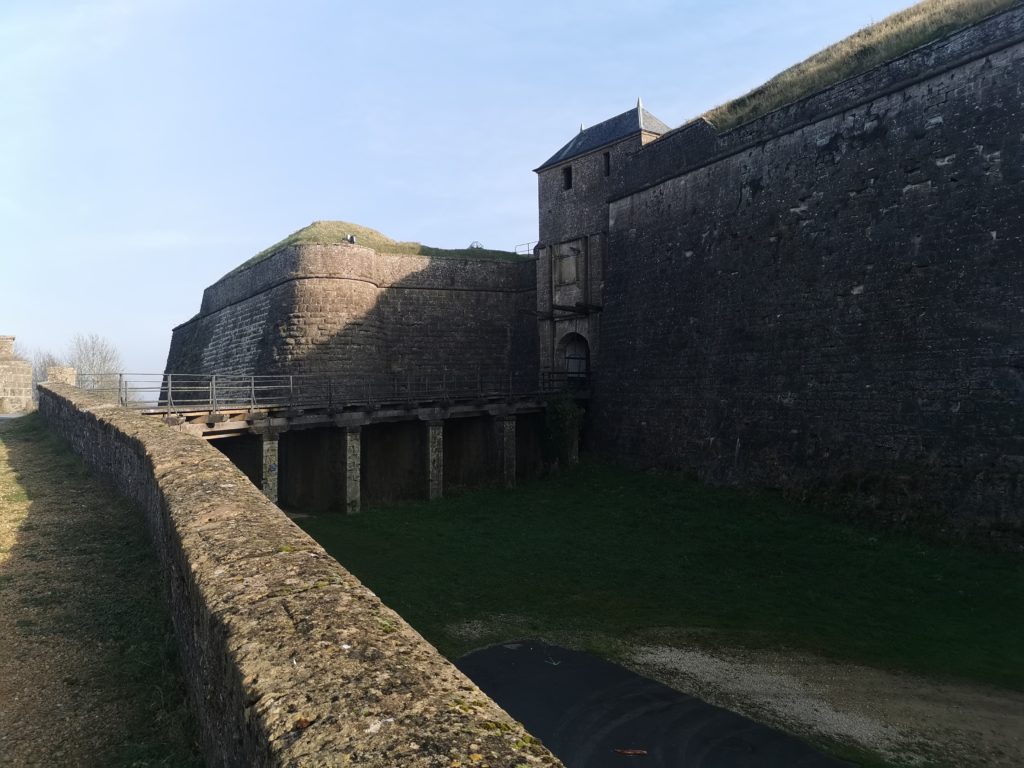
[
  {"x": 83, "y": 587},
  {"x": 614, "y": 553}
]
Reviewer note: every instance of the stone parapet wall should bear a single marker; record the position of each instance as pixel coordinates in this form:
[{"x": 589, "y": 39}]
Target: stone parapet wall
[
  {"x": 15, "y": 380},
  {"x": 289, "y": 660},
  {"x": 61, "y": 374},
  {"x": 837, "y": 306},
  {"x": 345, "y": 261}
]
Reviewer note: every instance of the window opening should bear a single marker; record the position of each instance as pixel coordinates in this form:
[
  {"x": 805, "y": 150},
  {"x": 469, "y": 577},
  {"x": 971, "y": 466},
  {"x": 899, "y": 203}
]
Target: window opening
[{"x": 577, "y": 358}]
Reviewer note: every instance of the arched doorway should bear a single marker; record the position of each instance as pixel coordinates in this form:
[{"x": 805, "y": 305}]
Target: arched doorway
[{"x": 575, "y": 357}]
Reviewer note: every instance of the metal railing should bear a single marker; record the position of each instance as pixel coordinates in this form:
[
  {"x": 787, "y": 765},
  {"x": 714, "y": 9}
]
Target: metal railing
[
  {"x": 182, "y": 392},
  {"x": 526, "y": 249}
]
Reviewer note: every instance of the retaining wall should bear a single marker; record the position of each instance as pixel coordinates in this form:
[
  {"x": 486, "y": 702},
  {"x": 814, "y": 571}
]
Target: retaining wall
[
  {"x": 288, "y": 658},
  {"x": 829, "y": 297}
]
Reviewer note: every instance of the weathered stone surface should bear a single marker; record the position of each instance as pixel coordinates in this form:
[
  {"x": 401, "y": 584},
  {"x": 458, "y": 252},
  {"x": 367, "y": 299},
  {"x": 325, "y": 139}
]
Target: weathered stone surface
[
  {"x": 435, "y": 459},
  {"x": 828, "y": 297},
  {"x": 61, "y": 374},
  {"x": 15, "y": 379},
  {"x": 351, "y": 469},
  {"x": 268, "y": 473},
  {"x": 290, "y": 660},
  {"x": 346, "y": 308}
]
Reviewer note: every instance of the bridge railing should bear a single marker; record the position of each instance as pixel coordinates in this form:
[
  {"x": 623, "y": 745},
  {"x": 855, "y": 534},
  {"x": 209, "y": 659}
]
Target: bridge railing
[{"x": 182, "y": 392}]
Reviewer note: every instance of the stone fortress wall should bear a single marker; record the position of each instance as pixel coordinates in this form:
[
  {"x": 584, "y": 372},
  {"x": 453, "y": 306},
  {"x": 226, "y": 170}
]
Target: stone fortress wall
[
  {"x": 288, "y": 658},
  {"x": 15, "y": 380},
  {"x": 826, "y": 298},
  {"x": 830, "y": 296},
  {"x": 348, "y": 308}
]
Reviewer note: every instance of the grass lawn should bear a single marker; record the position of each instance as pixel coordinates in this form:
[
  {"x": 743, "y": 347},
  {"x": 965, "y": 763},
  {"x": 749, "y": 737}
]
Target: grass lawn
[
  {"x": 89, "y": 671},
  {"x": 612, "y": 553}
]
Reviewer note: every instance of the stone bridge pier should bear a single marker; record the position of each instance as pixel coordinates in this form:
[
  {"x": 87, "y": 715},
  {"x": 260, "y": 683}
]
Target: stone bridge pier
[{"x": 352, "y": 461}]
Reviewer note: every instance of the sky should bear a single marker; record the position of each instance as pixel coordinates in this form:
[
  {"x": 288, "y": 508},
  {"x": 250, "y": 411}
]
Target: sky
[{"x": 147, "y": 147}]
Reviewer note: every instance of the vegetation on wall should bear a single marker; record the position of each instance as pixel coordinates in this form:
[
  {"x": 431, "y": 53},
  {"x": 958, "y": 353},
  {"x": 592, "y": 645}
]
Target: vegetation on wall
[
  {"x": 335, "y": 232},
  {"x": 888, "y": 39}
]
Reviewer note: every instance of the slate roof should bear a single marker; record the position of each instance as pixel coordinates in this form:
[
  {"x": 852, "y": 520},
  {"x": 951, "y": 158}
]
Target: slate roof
[{"x": 611, "y": 130}]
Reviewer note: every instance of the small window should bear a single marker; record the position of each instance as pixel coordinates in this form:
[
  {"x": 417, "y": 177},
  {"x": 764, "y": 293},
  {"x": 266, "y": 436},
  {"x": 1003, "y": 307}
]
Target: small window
[
  {"x": 567, "y": 177},
  {"x": 607, "y": 163}
]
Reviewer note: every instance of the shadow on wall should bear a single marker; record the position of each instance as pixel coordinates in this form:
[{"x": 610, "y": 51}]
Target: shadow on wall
[
  {"x": 455, "y": 325},
  {"x": 456, "y": 318},
  {"x": 347, "y": 309},
  {"x": 81, "y": 616},
  {"x": 379, "y": 327}
]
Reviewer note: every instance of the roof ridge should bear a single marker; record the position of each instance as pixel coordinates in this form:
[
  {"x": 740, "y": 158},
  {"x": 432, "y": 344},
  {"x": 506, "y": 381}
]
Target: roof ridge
[{"x": 616, "y": 128}]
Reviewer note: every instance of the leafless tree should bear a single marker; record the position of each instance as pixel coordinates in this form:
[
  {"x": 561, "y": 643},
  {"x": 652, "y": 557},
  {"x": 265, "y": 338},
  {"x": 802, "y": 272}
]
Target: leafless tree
[
  {"x": 94, "y": 358},
  {"x": 41, "y": 360},
  {"x": 91, "y": 353},
  {"x": 97, "y": 362}
]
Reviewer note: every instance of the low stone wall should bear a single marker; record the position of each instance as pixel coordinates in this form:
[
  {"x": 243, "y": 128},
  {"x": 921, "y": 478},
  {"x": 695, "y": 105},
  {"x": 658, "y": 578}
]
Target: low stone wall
[
  {"x": 289, "y": 659},
  {"x": 15, "y": 379}
]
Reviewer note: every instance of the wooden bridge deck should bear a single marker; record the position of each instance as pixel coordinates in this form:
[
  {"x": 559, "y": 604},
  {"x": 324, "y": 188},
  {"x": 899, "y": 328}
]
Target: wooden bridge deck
[{"x": 223, "y": 405}]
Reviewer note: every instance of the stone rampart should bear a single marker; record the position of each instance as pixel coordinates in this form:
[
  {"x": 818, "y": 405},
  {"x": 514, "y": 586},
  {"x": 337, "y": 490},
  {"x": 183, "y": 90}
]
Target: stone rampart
[
  {"x": 829, "y": 296},
  {"x": 343, "y": 307},
  {"x": 697, "y": 144},
  {"x": 289, "y": 660}
]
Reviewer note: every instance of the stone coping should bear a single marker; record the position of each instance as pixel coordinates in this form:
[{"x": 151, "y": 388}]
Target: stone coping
[{"x": 288, "y": 658}]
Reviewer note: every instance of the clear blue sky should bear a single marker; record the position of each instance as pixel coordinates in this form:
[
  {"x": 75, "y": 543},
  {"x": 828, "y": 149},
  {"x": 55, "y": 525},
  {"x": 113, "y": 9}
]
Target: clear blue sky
[{"x": 146, "y": 148}]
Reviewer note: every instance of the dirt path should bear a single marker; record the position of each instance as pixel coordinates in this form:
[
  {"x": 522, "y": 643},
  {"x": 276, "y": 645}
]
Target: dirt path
[
  {"x": 907, "y": 719},
  {"x": 87, "y": 668}
]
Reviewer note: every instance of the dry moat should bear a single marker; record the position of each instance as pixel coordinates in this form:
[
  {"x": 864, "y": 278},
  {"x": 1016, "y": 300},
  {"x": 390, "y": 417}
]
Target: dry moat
[{"x": 877, "y": 646}]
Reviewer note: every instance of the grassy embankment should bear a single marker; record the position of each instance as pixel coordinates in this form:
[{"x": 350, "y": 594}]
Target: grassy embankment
[
  {"x": 601, "y": 555},
  {"x": 888, "y": 39},
  {"x": 334, "y": 232},
  {"x": 89, "y": 673}
]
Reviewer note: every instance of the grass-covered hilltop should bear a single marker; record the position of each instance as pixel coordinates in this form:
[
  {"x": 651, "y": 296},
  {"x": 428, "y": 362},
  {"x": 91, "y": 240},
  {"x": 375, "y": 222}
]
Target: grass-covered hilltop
[
  {"x": 335, "y": 232},
  {"x": 888, "y": 39}
]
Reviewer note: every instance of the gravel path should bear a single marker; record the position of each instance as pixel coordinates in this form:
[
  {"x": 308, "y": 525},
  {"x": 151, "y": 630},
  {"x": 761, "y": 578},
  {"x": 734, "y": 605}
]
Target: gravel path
[
  {"x": 905, "y": 719},
  {"x": 87, "y": 672},
  {"x": 908, "y": 719}
]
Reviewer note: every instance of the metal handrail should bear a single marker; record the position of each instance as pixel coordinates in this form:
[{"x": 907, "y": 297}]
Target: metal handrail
[{"x": 183, "y": 392}]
